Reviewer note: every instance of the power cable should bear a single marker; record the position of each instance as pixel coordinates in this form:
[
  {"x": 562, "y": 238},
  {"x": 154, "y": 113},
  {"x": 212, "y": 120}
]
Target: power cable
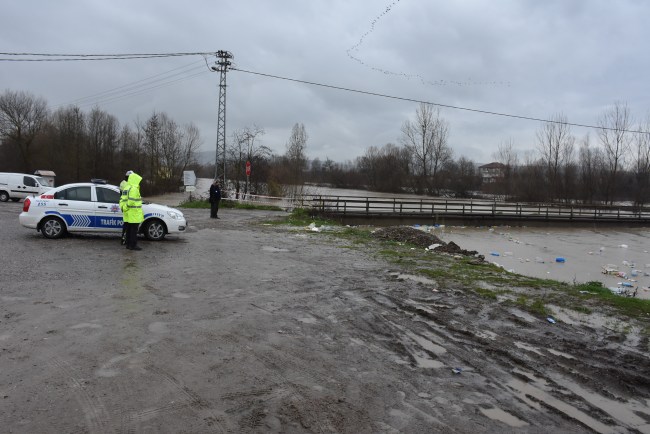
[
  {"x": 487, "y": 112},
  {"x": 50, "y": 57},
  {"x": 133, "y": 86},
  {"x": 143, "y": 90}
]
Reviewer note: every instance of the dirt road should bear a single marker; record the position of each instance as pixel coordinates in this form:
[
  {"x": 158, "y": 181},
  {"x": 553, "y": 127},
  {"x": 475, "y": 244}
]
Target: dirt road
[{"x": 241, "y": 327}]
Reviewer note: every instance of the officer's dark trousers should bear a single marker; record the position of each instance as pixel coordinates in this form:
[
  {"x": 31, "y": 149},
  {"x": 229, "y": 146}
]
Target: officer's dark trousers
[
  {"x": 132, "y": 235},
  {"x": 214, "y": 209}
]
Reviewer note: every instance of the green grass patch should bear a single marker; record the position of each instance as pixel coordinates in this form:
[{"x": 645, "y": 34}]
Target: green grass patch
[
  {"x": 230, "y": 204},
  {"x": 302, "y": 217},
  {"x": 486, "y": 293}
]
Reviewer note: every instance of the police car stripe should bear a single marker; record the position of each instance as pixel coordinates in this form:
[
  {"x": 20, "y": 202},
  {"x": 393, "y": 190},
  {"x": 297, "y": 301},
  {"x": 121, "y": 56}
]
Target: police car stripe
[{"x": 80, "y": 221}]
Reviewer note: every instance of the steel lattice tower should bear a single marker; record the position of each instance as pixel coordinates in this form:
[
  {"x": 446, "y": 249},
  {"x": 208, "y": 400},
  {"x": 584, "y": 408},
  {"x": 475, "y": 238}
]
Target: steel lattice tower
[{"x": 222, "y": 65}]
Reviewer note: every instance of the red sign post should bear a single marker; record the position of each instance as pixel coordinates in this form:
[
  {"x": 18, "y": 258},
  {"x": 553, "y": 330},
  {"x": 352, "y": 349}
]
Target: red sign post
[{"x": 248, "y": 168}]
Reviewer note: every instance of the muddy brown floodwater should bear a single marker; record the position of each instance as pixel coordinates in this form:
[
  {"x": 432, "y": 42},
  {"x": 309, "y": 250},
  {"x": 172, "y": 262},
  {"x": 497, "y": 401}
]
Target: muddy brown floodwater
[{"x": 237, "y": 326}]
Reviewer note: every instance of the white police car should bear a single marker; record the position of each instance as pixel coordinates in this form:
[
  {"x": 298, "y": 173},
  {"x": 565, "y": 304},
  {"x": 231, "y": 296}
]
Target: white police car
[{"x": 93, "y": 207}]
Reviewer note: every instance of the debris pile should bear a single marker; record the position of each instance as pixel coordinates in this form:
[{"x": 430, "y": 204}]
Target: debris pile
[{"x": 407, "y": 234}]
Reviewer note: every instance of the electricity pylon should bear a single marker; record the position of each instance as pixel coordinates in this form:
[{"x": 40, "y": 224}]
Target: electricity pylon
[{"x": 221, "y": 65}]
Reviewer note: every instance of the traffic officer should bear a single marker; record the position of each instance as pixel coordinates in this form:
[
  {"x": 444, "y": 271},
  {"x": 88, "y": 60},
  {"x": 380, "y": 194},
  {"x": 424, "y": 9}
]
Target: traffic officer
[
  {"x": 123, "y": 185},
  {"x": 131, "y": 205}
]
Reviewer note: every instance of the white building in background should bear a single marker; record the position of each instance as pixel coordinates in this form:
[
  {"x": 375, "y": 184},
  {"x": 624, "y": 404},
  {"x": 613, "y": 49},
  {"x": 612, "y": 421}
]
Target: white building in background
[{"x": 492, "y": 172}]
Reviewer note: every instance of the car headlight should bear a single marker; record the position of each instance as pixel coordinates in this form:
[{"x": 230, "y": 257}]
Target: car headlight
[{"x": 175, "y": 215}]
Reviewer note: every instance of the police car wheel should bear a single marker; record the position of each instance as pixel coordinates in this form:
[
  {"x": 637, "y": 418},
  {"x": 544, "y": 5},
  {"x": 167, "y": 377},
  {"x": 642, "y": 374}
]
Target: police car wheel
[
  {"x": 154, "y": 230},
  {"x": 52, "y": 228}
]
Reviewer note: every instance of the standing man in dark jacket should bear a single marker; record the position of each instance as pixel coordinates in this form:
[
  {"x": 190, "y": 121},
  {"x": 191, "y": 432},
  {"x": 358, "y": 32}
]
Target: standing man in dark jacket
[{"x": 215, "y": 198}]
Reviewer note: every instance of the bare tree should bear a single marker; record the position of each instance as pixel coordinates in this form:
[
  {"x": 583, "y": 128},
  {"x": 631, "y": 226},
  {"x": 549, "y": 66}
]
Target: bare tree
[
  {"x": 507, "y": 155},
  {"x": 67, "y": 150},
  {"x": 555, "y": 145},
  {"x": 102, "y": 135},
  {"x": 22, "y": 117},
  {"x": 427, "y": 141},
  {"x": 613, "y": 125},
  {"x": 245, "y": 148},
  {"x": 465, "y": 178},
  {"x": 641, "y": 167},
  {"x": 385, "y": 169},
  {"x": 296, "y": 159}
]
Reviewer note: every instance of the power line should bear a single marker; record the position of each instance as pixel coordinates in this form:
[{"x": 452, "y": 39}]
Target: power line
[
  {"x": 115, "y": 93},
  {"x": 51, "y": 57},
  {"x": 487, "y": 112}
]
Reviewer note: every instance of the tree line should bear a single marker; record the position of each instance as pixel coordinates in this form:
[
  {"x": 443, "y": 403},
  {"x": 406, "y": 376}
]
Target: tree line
[
  {"x": 612, "y": 165},
  {"x": 79, "y": 146}
]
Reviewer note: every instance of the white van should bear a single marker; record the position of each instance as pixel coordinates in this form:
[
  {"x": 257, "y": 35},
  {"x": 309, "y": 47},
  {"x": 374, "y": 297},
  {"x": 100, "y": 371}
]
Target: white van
[{"x": 16, "y": 186}]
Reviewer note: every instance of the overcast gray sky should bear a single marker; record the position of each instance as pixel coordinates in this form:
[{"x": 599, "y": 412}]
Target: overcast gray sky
[{"x": 526, "y": 58}]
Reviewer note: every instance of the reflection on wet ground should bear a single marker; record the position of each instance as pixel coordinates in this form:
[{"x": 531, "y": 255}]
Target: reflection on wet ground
[{"x": 568, "y": 255}]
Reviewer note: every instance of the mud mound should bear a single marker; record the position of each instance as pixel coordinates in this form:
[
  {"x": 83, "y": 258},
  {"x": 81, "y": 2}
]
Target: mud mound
[{"x": 407, "y": 234}]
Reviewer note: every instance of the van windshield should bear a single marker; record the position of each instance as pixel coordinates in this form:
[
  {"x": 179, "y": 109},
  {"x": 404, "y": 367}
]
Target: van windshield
[{"x": 42, "y": 181}]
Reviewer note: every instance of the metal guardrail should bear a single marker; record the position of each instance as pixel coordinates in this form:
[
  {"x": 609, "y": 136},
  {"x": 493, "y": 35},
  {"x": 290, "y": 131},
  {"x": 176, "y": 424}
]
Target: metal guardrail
[{"x": 378, "y": 207}]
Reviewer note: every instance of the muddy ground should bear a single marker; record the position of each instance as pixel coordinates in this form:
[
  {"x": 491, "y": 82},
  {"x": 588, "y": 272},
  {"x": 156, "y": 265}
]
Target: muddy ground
[{"x": 242, "y": 327}]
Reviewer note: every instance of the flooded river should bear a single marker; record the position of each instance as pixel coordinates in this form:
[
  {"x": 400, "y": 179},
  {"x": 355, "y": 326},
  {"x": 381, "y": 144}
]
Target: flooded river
[{"x": 568, "y": 255}]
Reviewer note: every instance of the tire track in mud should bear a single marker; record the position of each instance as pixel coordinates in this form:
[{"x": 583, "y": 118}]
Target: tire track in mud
[
  {"x": 524, "y": 350},
  {"x": 97, "y": 418},
  {"x": 296, "y": 402},
  {"x": 189, "y": 399}
]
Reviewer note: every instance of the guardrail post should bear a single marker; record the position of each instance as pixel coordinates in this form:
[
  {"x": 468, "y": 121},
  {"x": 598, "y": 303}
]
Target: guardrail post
[{"x": 367, "y": 206}]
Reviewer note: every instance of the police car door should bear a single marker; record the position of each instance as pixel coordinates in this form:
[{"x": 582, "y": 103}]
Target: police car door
[
  {"x": 108, "y": 214},
  {"x": 76, "y": 207}
]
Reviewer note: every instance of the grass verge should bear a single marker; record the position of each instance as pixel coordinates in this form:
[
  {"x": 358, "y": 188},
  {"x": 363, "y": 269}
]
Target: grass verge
[{"x": 231, "y": 204}]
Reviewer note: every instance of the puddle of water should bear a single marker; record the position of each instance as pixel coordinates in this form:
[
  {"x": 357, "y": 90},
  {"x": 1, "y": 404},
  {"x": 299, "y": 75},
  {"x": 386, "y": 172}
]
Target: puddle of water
[
  {"x": 272, "y": 249},
  {"x": 624, "y": 412},
  {"x": 527, "y": 347},
  {"x": 158, "y": 327},
  {"x": 427, "y": 344},
  {"x": 560, "y": 353},
  {"x": 425, "y": 362},
  {"x": 523, "y": 315},
  {"x": 11, "y": 298},
  {"x": 529, "y": 389},
  {"x": 486, "y": 334},
  {"x": 502, "y": 416},
  {"x": 86, "y": 325}
]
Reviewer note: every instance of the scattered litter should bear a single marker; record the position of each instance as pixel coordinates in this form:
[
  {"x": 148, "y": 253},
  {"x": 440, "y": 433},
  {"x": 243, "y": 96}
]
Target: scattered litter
[
  {"x": 495, "y": 254},
  {"x": 433, "y": 246},
  {"x": 457, "y": 370},
  {"x": 609, "y": 269},
  {"x": 625, "y": 284},
  {"x": 539, "y": 260},
  {"x": 550, "y": 319},
  {"x": 560, "y": 259},
  {"x": 507, "y": 253},
  {"x": 623, "y": 246}
]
